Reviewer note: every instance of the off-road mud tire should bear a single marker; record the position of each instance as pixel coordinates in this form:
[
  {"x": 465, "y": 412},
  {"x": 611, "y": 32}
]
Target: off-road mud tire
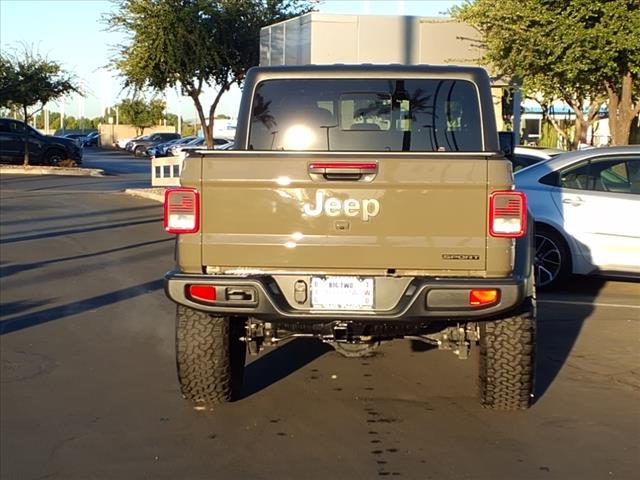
[
  {"x": 210, "y": 356},
  {"x": 507, "y": 360}
]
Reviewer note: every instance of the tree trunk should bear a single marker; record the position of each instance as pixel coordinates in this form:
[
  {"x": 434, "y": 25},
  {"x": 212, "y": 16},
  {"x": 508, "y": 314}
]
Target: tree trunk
[
  {"x": 580, "y": 137},
  {"x": 622, "y": 110},
  {"x": 207, "y": 130},
  {"x": 546, "y": 115},
  {"x": 26, "y": 139},
  {"x": 582, "y": 123},
  {"x": 212, "y": 110},
  {"x": 561, "y": 131}
]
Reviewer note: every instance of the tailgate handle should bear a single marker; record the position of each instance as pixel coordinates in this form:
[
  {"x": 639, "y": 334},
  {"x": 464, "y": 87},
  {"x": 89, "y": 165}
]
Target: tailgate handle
[
  {"x": 343, "y": 170},
  {"x": 240, "y": 294}
]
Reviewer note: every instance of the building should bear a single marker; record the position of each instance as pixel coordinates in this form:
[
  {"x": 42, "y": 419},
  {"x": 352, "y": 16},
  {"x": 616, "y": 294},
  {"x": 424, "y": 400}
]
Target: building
[{"x": 318, "y": 38}]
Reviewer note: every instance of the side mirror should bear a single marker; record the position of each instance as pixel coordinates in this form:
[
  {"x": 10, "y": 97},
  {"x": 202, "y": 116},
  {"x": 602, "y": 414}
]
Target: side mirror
[{"x": 507, "y": 140}]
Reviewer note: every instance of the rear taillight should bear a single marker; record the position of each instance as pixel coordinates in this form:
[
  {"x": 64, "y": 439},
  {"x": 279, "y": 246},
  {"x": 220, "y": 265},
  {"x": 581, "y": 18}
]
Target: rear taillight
[
  {"x": 181, "y": 210},
  {"x": 202, "y": 293},
  {"x": 507, "y": 214},
  {"x": 483, "y": 297}
]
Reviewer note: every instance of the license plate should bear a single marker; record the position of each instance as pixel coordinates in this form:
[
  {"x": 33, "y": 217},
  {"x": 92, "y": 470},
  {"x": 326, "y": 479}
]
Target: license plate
[{"x": 342, "y": 293}]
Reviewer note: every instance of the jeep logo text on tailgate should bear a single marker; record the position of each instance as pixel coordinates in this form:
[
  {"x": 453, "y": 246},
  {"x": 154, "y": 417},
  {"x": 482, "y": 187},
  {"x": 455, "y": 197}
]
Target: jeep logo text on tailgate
[{"x": 334, "y": 207}]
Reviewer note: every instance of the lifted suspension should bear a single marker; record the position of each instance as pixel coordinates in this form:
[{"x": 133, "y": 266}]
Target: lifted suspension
[{"x": 457, "y": 339}]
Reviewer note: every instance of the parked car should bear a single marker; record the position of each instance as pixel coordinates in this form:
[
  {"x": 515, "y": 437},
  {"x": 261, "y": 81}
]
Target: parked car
[
  {"x": 198, "y": 142},
  {"x": 524, "y": 157},
  {"x": 76, "y": 137},
  {"x": 43, "y": 149},
  {"x": 583, "y": 204},
  {"x": 155, "y": 150},
  {"x": 161, "y": 150},
  {"x": 122, "y": 142},
  {"x": 175, "y": 150},
  {"x": 139, "y": 146},
  {"x": 91, "y": 140}
]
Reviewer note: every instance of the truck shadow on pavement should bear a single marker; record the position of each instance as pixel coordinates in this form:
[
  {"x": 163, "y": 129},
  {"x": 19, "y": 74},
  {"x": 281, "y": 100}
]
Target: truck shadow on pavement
[
  {"x": 12, "y": 269},
  {"x": 72, "y": 231},
  {"x": 76, "y": 216},
  {"x": 61, "y": 311},
  {"x": 561, "y": 315},
  {"x": 279, "y": 363},
  {"x": 13, "y": 308},
  {"x": 46, "y": 189}
]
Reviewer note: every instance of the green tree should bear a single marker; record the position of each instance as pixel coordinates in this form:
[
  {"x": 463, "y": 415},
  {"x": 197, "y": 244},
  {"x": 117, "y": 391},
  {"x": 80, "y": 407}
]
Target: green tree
[
  {"x": 54, "y": 121},
  {"x": 172, "y": 119},
  {"x": 30, "y": 81},
  {"x": 140, "y": 113},
  {"x": 579, "y": 51},
  {"x": 191, "y": 44},
  {"x": 617, "y": 35},
  {"x": 71, "y": 122},
  {"x": 188, "y": 129}
]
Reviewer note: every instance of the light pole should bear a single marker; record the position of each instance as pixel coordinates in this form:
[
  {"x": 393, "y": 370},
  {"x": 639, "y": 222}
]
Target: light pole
[
  {"x": 517, "y": 98},
  {"x": 62, "y": 115},
  {"x": 179, "y": 115},
  {"x": 112, "y": 127}
]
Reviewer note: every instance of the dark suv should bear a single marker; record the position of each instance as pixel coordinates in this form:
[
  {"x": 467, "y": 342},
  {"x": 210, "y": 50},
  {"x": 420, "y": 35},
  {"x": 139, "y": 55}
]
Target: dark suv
[
  {"x": 43, "y": 150},
  {"x": 139, "y": 146}
]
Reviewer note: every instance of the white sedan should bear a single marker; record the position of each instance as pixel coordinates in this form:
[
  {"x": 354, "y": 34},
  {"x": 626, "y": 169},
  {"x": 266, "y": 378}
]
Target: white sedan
[
  {"x": 586, "y": 207},
  {"x": 122, "y": 142}
]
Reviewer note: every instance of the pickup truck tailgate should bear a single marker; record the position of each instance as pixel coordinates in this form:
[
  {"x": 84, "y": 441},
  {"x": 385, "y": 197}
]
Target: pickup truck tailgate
[{"x": 270, "y": 210}]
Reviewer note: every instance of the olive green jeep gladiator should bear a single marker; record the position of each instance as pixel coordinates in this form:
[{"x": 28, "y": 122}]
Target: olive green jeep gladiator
[{"x": 360, "y": 204}]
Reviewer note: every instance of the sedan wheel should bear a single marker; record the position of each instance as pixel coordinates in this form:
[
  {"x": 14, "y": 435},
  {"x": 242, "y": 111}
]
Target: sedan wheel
[
  {"x": 54, "y": 157},
  {"x": 551, "y": 259}
]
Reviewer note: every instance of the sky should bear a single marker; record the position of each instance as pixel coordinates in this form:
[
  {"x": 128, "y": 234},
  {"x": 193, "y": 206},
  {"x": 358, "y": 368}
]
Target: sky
[{"x": 73, "y": 33}]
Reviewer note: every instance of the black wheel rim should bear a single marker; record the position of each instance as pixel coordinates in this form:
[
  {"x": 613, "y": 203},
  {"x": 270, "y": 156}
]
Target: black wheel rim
[
  {"x": 547, "y": 261},
  {"x": 55, "y": 159}
]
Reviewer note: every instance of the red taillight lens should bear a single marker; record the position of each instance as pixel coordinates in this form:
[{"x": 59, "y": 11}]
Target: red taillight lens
[
  {"x": 481, "y": 297},
  {"x": 181, "y": 208},
  {"x": 507, "y": 214},
  {"x": 202, "y": 293}
]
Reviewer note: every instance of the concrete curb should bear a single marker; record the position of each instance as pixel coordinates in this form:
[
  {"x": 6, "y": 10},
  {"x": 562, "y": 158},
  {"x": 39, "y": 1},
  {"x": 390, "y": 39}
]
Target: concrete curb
[
  {"x": 156, "y": 194},
  {"x": 76, "y": 171}
]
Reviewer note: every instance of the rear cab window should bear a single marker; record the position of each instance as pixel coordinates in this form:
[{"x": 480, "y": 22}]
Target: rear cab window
[{"x": 419, "y": 115}]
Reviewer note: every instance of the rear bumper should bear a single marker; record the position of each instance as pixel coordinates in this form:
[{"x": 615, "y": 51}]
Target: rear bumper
[{"x": 424, "y": 299}]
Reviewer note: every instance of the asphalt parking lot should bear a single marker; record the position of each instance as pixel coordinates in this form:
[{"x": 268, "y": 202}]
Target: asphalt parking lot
[{"x": 88, "y": 385}]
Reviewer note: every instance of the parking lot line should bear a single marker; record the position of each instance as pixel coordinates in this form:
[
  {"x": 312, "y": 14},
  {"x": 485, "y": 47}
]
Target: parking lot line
[{"x": 590, "y": 304}]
